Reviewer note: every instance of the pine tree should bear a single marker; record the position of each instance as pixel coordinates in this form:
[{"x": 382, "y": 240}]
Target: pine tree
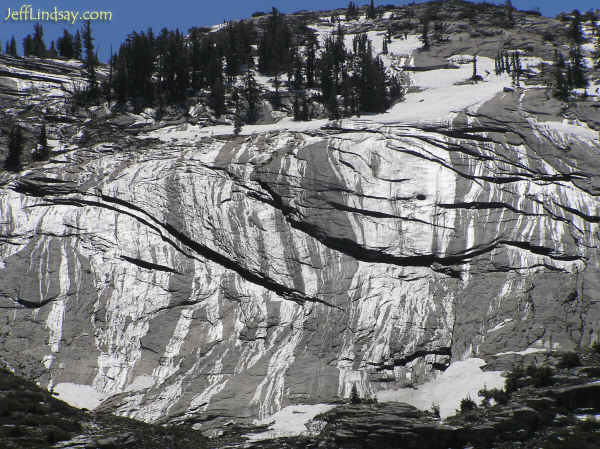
[
  {"x": 197, "y": 58},
  {"x": 516, "y": 69},
  {"x": 425, "y": 31},
  {"x": 51, "y": 52},
  {"x": 38, "y": 47},
  {"x": 311, "y": 60},
  {"x": 354, "y": 397},
  {"x": 65, "y": 45},
  {"x": 347, "y": 94},
  {"x": 296, "y": 74},
  {"x": 561, "y": 89},
  {"x": 509, "y": 11},
  {"x": 352, "y": 11},
  {"x": 41, "y": 153},
  {"x": 305, "y": 111},
  {"x": 385, "y": 47},
  {"x": 121, "y": 78},
  {"x": 90, "y": 63},
  {"x": 575, "y": 30},
  {"x": 11, "y": 47},
  {"x": 15, "y": 149},
  {"x": 274, "y": 49},
  {"x": 108, "y": 84},
  {"x": 332, "y": 105},
  {"x": 180, "y": 67},
  {"x": 77, "y": 46},
  {"x": 217, "y": 97},
  {"x": 27, "y": 45},
  {"x": 396, "y": 90},
  {"x": 296, "y": 108},
  {"x": 577, "y": 67},
  {"x": 252, "y": 97},
  {"x": 237, "y": 120},
  {"x": 475, "y": 75},
  {"x": 497, "y": 64},
  {"x": 371, "y": 11}
]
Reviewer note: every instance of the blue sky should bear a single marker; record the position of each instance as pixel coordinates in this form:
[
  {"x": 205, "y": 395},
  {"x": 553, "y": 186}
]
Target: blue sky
[{"x": 129, "y": 15}]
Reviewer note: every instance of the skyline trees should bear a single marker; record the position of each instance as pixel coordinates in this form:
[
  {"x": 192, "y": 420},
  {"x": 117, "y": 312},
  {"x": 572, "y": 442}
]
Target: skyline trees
[{"x": 167, "y": 68}]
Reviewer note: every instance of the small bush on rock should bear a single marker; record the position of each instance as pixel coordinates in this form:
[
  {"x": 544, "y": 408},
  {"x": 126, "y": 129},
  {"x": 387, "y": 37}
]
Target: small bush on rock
[
  {"x": 435, "y": 410},
  {"x": 518, "y": 377},
  {"x": 499, "y": 396},
  {"x": 514, "y": 379},
  {"x": 354, "y": 398},
  {"x": 569, "y": 360},
  {"x": 467, "y": 405},
  {"x": 541, "y": 376}
]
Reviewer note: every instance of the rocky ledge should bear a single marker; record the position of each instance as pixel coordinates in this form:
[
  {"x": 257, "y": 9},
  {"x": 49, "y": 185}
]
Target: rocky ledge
[{"x": 555, "y": 405}]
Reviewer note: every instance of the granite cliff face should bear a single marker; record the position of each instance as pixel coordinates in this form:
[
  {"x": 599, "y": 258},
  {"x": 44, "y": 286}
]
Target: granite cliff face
[{"x": 228, "y": 277}]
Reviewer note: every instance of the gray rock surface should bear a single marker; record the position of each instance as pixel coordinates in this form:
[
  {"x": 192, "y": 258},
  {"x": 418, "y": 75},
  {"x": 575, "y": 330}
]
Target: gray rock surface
[{"x": 227, "y": 277}]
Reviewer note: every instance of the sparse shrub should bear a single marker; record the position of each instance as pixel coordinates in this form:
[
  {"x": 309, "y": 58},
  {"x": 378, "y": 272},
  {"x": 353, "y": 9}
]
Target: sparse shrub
[
  {"x": 514, "y": 379},
  {"x": 371, "y": 400},
  {"x": 541, "y": 376},
  {"x": 435, "y": 409},
  {"x": 596, "y": 347},
  {"x": 569, "y": 360},
  {"x": 467, "y": 405},
  {"x": 499, "y": 396},
  {"x": 354, "y": 397}
]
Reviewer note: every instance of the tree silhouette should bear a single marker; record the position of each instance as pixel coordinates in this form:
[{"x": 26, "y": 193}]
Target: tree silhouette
[
  {"x": 371, "y": 11},
  {"x": 15, "y": 149},
  {"x": 354, "y": 397},
  {"x": 41, "y": 153},
  {"x": 90, "y": 63}
]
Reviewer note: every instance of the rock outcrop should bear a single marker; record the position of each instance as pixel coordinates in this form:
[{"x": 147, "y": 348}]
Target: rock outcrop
[{"x": 226, "y": 277}]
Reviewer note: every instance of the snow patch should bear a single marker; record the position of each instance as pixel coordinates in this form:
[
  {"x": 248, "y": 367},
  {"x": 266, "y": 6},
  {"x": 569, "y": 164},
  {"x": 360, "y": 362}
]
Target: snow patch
[
  {"x": 461, "y": 379},
  {"x": 80, "y": 396},
  {"x": 524, "y": 352},
  {"x": 289, "y": 421}
]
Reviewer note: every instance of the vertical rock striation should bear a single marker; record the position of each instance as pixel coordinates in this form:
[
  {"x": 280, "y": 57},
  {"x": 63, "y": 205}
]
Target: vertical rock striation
[{"x": 232, "y": 277}]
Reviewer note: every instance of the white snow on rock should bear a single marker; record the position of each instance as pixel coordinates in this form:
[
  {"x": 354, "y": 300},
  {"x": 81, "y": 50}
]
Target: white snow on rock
[
  {"x": 289, "y": 421},
  {"x": 460, "y": 380},
  {"x": 566, "y": 129},
  {"x": 80, "y": 396},
  {"x": 524, "y": 352}
]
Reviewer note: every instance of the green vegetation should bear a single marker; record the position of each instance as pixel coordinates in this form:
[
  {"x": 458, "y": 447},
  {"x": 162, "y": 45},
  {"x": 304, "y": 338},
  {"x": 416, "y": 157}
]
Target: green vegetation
[
  {"x": 354, "y": 397},
  {"x": 15, "y": 149},
  {"x": 498, "y": 395},
  {"x": 519, "y": 377},
  {"x": 569, "y": 360},
  {"x": 31, "y": 417},
  {"x": 435, "y": 410}
]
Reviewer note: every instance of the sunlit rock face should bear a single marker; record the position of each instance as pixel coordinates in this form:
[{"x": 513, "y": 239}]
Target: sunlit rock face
[{"x": 231, "y": 277}]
